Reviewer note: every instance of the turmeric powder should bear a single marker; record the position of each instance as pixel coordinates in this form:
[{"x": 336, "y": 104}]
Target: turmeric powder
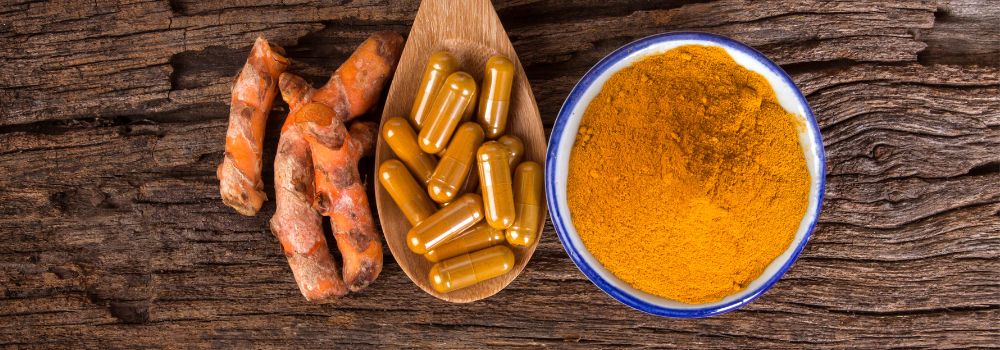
[{"x": 687, "y": 179}]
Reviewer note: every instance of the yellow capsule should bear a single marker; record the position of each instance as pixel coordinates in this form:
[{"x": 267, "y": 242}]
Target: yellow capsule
[
  {"x": 528, "y": 203},
  {"x": 446, "y": 112},
  {"x": 494, "y": 181},
  {"x": 470, "y": 110},
  {"x": 515, "y": 146},
  {"x": 445, "y": 224},
  {"x": 403, "y": 141},
  {"x": 468, "y": 269},
  {"x": 476, "y": 238},
  {"x": 409, "y": 196},
  {"x": 446, "y": 182},
  {"x": 471, "y": 183},
  {"x": 494, "y": 100},
  {"x": 439, "y": 66}
]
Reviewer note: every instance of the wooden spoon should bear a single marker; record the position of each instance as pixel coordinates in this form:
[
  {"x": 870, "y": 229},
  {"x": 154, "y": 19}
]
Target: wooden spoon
[{"x": 471, "y": 31}]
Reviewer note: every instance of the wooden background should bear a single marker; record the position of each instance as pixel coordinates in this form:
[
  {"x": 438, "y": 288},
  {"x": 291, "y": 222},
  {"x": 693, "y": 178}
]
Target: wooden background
[{"x": 112, "y": 234}]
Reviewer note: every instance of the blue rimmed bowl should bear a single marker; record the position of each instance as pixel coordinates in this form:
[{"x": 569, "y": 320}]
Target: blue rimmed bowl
[{"x": 564, "y": 134}]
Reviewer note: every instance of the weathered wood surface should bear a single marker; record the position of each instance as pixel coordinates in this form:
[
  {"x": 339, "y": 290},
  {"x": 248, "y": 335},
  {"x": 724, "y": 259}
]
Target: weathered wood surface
[{"x": 112, "y": 118}]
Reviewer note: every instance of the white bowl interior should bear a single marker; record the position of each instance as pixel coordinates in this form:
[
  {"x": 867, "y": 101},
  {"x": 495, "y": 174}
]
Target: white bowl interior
[{"x": 787, "y": 97}]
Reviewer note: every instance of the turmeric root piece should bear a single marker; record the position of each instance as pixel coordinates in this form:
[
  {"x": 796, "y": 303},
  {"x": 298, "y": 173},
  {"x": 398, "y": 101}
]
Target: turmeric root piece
[
  {"x": 297, "y": 225},
  {"x": 352, "y": 90},
  {"x": 355, "y": 86},
  {"x": 351, "y": 216},
  {"x": 315, "y": 130},
  {"x": 253, "y": 92},
  {"x": 339, "y": 192},
  {"x": 296, "y": 92}
]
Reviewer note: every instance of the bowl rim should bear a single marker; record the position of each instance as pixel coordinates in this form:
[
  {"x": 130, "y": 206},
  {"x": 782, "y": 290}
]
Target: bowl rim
[{"x": 551, "y": 156}]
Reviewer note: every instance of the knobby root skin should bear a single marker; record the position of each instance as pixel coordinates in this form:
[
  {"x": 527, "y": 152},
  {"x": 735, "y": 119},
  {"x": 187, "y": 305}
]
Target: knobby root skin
[
  {"x": 354, "y": 87},
  {"x": 352, "y": 220},
  {"x": 340, "y": 194},
  {"x": 295, "y": 91},
  {"x": 297, "y": 225},
  {"x": 240, "y": 183}
]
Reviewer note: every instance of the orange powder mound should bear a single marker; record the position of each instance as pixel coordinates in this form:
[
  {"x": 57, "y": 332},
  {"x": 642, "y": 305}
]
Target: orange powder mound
[{"x": 687, "y": 178}]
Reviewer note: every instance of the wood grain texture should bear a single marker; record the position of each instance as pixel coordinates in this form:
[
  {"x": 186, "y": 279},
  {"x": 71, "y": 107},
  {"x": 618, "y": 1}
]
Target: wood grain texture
[
  {"x": 444, "y": 25},
  {"x": 112, "y": 118}
]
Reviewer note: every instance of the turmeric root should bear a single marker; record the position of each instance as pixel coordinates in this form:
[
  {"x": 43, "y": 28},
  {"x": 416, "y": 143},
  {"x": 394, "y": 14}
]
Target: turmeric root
[
  {"x": 317, "y": 118},
  {"x": 297, "y": 225},
  {"x": 253, "y": 92},
  {"x": 355, "y": 86},
  {"x": 296, "y": 92},
  {"x": 316, "y": 174},
  {"x": 351, "y": 216},
  {"x": 340, "y": 194}
]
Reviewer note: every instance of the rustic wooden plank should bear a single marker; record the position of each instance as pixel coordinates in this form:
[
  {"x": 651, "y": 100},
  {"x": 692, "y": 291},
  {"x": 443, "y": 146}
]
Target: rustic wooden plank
[
  {"x": 59, "y": 74},
  {"x": 198, "y": 243},
  {"x": 112, "y": 117},
  {"x": 965, "y": 32}
]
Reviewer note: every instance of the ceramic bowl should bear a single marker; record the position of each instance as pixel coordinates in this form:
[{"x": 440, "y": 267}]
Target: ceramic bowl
[{"x": 564, "y": 134}]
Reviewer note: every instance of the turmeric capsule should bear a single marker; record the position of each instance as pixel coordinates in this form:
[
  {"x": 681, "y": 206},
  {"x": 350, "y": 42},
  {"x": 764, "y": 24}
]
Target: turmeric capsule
[
  {"x": 403, "y": 141},
  {"x": 439, "y": 66},
  {"x": 446, "y": 223},
  {"x": 470, "y": 110},
  {"x": 446, "y": 112},
  {"x": 453, "y": 169},
  {"x": 476, "y": 238},
  {"x": 494, "y": 100},
  {"x": 471, "y": 183},
  {"x": 515, "y": 146},
  {"x": 494, "y": 181},
  {"x": 528, "y": 204},
  {"x": 404, "y": 190},
  {"x": 468, "y": 269}
]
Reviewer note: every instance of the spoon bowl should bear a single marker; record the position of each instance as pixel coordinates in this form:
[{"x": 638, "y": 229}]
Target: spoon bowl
[{"x": 471, "y": 31}]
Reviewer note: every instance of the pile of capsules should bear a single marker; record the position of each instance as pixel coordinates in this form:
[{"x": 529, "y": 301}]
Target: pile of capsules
[{"x": 447, "y": 212}]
